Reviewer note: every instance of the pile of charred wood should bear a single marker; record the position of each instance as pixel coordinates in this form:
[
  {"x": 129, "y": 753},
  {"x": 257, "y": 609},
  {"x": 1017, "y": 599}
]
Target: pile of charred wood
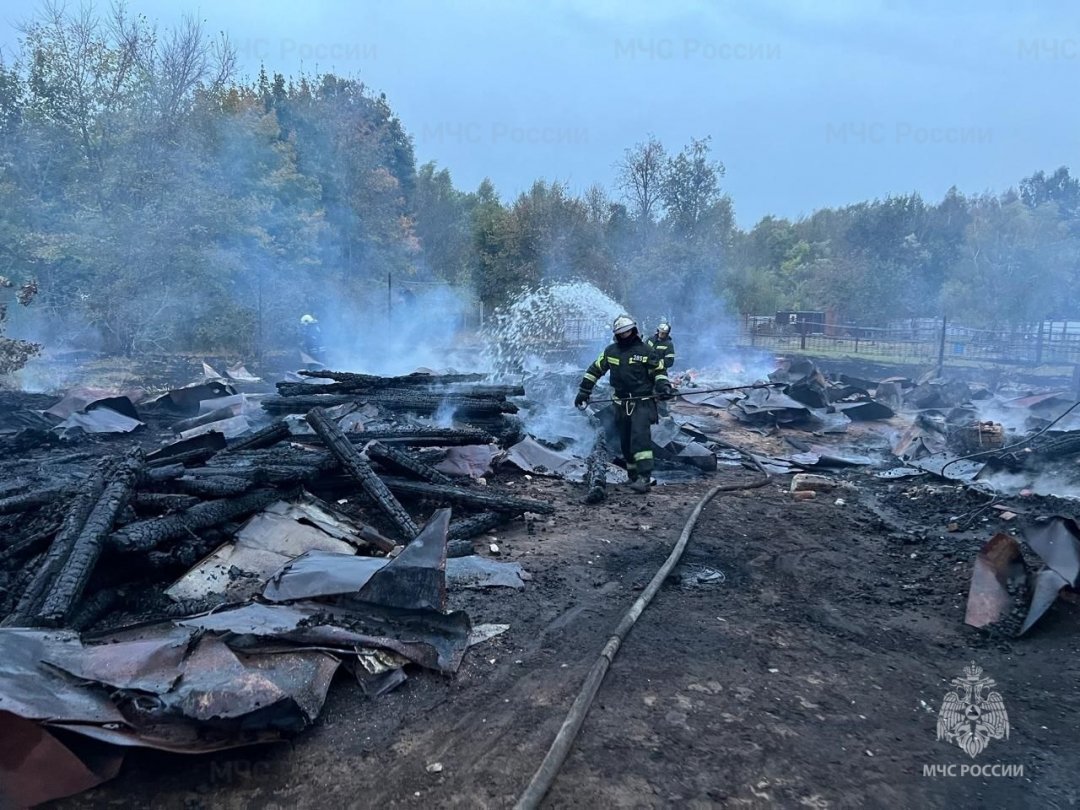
[
  {"x": 201, "y": 595},
  {"x": 96, "y": 552}
]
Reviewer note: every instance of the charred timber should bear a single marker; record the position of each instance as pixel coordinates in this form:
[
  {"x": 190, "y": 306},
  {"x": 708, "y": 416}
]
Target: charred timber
[
  {"x": 98, "y": 605},
  {"x": 399, "y": 401},
  {"x": 483, "y": 498},
  {"x": 1066, "y": 445},
  {"x": 161, "y": 502},
  {"x": 466, "y": 528},
  {"x": 218, "y": 486},
  {"x": 369, "y": 381},
  {"x": 33, "y": 597},
  {"x": 196, "y": 456},
  {"x": 355, "y": 464},
  {"x": 161, "y": 475},
  {"x": 17, "y": 585},
  {"x": 29, "y": 545},
  {"x": 403, "y": 463},
  {"x": 459, "y": 548},
  {"x": 424, "y": 437},
  {"x": 278, "y": 474},
  {"x": 148, "y": 534},
  {"x": 31, "y": 500},
  {"x": 303, "y": 404},
  {"x": 496, "y": 391},
  {"x": 75, "y": 573},
  {"x": 596, "y": 475},
  {"x": 183, "y": 556},
  {"x": 288, "y": 389},
  {"x": 266, "y": 437}
]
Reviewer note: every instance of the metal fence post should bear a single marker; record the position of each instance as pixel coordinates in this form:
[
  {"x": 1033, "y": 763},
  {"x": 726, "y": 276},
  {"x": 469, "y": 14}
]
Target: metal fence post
[{"x": 941, "y": 347}]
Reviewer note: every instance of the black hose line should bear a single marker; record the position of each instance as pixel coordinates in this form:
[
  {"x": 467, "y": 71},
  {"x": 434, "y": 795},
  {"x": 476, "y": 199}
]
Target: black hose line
[
  {"x": 546, "y": 774},
  {"x": 678, "y": 393}
]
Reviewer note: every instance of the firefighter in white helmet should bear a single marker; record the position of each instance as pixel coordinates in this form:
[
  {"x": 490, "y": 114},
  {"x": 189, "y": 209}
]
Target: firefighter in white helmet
[
  {"x": 638, "y": 377},
  {"x": 663, "y": 345},
  {"x": 310, "y": 336}
]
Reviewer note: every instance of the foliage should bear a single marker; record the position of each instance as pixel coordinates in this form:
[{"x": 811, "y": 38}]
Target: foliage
[{"x": 163, "y": 204}]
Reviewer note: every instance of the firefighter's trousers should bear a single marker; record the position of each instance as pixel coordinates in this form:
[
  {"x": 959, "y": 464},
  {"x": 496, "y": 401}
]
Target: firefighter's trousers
[{"x": 633, "y": 420}]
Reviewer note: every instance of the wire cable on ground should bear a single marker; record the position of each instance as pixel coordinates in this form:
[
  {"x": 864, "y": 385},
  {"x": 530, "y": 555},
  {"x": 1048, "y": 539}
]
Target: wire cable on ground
[
  {"x": 545, "y": 775},
  {"x": 1022, "y": 442},
  {"x": 677, "y": 393}
]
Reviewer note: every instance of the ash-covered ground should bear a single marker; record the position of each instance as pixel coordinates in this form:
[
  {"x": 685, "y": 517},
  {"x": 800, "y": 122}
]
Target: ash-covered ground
[{"x": 798, "y": 657}]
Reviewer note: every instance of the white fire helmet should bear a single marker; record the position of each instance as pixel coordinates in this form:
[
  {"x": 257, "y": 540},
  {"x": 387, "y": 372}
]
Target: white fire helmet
[
  {"x": 307, "y": 319},
  {"x": 622, "y": 325},
  {"x": 664, "y": 326}
]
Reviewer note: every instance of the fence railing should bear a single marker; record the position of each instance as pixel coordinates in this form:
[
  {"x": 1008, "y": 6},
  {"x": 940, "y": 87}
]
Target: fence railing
[{"x": 922, "y": 341}]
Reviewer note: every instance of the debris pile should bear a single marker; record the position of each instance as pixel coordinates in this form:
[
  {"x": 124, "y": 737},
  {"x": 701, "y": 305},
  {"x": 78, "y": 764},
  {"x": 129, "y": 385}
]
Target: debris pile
[{"x": 201, "y": 595}]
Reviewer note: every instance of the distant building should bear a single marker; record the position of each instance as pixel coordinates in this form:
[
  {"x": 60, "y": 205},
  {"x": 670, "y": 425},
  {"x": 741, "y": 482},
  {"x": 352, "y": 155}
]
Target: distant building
[{"x": 801, "y": 322}]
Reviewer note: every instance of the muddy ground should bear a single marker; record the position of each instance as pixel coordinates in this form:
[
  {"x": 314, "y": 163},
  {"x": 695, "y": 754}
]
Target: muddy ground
[{"x": 810, "y": 676}]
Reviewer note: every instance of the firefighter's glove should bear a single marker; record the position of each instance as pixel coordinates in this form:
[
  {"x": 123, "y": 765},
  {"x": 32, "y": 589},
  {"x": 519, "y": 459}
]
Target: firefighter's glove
[
  {"x": 581, "y": 400},
  {"x": 664, "y": 394}
]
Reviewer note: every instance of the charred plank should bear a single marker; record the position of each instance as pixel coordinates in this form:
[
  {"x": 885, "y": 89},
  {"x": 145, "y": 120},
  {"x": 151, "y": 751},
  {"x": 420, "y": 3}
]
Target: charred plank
[
  {"x": 148, "y": 534},
  {"x": 423, "y": 437},
  {"x": 596, "y": 474},
  {"x": 483, "y": 498},
  {"x": 218, "y": 486},
  {"x": 32, "y": 500},
  {"x": 82, "y": 504},
  {"x": 75, "y": 573},
  {"x": 357, "y": 466},
  {"x": 401, "y": 462},
  {"x": 369, "y": 381},
  {"x": 29, "y": 545},
  {"x": 466, "y": 528},
  {"x": 159, "y": 503},
  {"x": 266, "y": 437}
]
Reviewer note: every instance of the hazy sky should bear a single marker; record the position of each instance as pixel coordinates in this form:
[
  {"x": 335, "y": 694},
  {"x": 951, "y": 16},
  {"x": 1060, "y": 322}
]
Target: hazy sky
[{"x": 808, "y": 104}]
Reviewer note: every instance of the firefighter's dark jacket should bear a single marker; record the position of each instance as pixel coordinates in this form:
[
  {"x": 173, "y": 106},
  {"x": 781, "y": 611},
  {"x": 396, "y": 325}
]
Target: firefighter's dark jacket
[
  {"x": 665, "y": 350},
  {"x": 635, "y": 370}
]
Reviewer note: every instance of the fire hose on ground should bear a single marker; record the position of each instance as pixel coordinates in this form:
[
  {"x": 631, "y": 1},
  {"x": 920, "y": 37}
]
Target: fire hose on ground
[
  {"x": 678, "y": 393},
  {"x": 546, "y": 774}
]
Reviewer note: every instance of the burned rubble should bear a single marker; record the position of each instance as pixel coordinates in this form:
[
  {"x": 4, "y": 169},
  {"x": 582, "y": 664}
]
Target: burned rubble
[
  {"x": 141, "y": 587},
  {"x": 200, "y": 593}
]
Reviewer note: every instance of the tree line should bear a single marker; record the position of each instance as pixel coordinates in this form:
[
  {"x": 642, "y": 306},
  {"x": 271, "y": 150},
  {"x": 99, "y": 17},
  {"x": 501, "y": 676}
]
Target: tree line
[{"x": 161, "y": 203}]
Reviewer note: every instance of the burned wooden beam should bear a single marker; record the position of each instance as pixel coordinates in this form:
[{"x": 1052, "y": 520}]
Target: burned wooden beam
[
  {"x": 98, "y": 605},
  {"x": 30, "y": 544},
  {"x": 148, "y": 534},
  {"x": 419, "y": 402},
  {"x": 161, "y": 502},
  {"x": 29, "y": 604},
  {"x": 357, "y": 466},
  {"x": 32, "y": 500},
  {"x": 596, "y": 475},
  {"x": 423, "y": 437},
  {"x": 218, "y": 486},
  {"x": 369, "y": 381},
  {"x": 466, "y": 528},
  {"x": 401, "y": 462},
  {"x": 194, "y": 456},
  {"x": 303, "y": 404},
  {"x": 265, "y": 437},
  {"x": 480, "y": 497},
  {"x": 75, "y": 573},
  {"x": 465, "y": 389},
  {"x": 161, "y": 475},
  {"x": 17, "y": 586}
]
